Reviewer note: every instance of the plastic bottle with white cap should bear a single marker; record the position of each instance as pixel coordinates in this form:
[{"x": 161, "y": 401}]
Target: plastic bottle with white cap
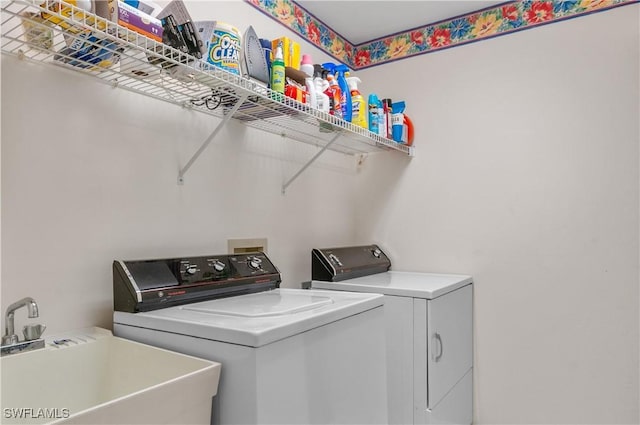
[{"x": 306, "y": 65}]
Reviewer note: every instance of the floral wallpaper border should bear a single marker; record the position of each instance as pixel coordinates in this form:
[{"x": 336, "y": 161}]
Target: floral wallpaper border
[{"x": 483, "y": 24}]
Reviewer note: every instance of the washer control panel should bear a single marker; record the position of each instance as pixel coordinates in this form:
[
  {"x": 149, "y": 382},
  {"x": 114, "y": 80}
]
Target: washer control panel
[
  {"x": 203, "y": 269},
  {"x": 144, "y": 285}
]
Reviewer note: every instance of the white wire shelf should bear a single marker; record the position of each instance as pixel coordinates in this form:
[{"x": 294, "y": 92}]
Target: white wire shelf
[{"x": 42, "y": 31}]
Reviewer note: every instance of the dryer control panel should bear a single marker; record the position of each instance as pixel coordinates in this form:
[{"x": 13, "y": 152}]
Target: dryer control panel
[
  {"x": 336, "y": 264},
  {"x": 144, "y": 285}
]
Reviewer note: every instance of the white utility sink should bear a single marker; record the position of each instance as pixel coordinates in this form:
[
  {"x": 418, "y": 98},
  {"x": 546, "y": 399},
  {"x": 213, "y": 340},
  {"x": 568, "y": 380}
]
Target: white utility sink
[{"x": 96, "y": 378}]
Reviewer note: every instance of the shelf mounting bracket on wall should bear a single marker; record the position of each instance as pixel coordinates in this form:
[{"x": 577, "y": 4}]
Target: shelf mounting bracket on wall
[
  {"x": 305, "y": 166},
  {"x": 212, "y": 136}
]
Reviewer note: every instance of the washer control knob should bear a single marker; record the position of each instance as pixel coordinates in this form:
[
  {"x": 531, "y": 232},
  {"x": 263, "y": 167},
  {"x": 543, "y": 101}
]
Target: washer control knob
[
  {"x": 335, "y": 260},
  {"x": 254, "y": 262},
  {"x": 218, "y": 265},
  {"x": 376, "y": 252},
  {"x": 191, "y": 269}
]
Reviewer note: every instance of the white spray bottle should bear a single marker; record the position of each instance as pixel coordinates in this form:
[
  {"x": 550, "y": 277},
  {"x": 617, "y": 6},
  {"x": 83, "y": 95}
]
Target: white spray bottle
[
  {"x": 322, "y": 98},
  {"x": 312, "y": 98}
]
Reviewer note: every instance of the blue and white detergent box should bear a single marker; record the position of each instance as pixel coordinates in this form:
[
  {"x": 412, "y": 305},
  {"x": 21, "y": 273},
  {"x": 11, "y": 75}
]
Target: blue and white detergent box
[{"x": 89, "y": 50}]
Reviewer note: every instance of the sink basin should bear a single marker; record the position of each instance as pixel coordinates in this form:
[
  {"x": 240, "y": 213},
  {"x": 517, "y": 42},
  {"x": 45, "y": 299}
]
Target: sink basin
[{"x": 93, "y": 377}]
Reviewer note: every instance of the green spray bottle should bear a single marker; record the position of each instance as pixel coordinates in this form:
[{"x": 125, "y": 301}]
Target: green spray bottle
[{"x": 278, "y": 73}]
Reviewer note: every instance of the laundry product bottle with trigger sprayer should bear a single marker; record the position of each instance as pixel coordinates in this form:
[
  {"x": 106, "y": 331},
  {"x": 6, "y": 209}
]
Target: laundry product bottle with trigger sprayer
[
  {"x": 347, "y": 106},
  {"x": 358, "y": 104},
  {"x": 278, "y": 74}
]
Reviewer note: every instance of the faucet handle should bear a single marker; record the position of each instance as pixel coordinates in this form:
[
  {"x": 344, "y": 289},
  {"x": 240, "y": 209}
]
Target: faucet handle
[
  {"x": 32, "y": 332},
  {"x": 10, "y": 339}
]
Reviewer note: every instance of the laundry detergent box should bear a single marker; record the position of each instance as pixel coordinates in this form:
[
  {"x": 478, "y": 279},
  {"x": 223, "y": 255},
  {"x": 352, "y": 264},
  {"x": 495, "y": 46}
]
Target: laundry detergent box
[
  {"x": 75, "y": 12},
  {"x": 90, "y": 50},
  {"x": 131, "y": 18},
  {"x": 290, "y": 51}
]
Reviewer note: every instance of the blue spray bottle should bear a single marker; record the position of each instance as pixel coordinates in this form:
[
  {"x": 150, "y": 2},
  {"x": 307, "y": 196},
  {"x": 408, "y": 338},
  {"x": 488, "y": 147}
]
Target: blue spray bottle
[
  {"x": 345, "y": 101},
  {"x": 347, "y": 106}
]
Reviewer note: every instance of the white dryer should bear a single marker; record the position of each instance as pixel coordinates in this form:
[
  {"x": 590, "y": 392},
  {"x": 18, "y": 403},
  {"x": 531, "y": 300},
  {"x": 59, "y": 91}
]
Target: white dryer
[
  {"x": 287, "y": 355},
  {"x": 429, "y": 332}
]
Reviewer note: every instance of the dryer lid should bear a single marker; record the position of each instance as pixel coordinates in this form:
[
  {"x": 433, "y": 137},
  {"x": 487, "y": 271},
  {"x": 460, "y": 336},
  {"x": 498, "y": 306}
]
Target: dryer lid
[{"x": 401, "y": 284}]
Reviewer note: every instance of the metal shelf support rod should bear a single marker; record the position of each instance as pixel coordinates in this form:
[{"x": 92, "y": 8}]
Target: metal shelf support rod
[
  {"x": 212, "y": 136},
  {"x": 305, "y": 166}
]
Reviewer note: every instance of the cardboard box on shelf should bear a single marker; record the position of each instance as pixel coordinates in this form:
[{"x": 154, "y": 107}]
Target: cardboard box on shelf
[
  {"x": 131, "y": 18},
  {"x": 290, "y": 51}
]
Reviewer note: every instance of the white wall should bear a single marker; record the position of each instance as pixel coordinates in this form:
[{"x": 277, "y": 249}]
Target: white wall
[
  {"x": 526, "y": 177},
  {"x": 89, "y": 175}
]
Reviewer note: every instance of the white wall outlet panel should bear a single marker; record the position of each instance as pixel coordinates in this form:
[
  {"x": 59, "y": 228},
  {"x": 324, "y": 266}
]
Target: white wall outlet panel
[{"x": 238, "y": 246}]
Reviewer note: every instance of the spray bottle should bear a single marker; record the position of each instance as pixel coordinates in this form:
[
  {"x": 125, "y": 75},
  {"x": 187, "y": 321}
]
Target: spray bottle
[
  {"x": 331, "y": 89},
  {"x": 358, "y": 104},
  {"x": 323, "y": 99},
  {"x": 277, "y": 73},
  {"x": 345, "y": 101},
  {"x": 324, "y": 102},
  {"x": 345, "y": 94},
  {"x": 312, "y": 99}
]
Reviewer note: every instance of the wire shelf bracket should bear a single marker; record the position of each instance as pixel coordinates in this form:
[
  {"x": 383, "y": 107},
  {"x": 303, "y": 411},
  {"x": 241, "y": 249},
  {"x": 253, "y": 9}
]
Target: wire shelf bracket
[
  {"x": 212, "y": 136},
  {"x": 305, "y": 166}
]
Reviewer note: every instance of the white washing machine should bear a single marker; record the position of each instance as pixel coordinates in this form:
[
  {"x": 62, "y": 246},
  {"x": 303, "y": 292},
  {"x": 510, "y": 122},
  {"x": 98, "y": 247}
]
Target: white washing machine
[
  {"x": 429, "y": 332},
  {"x": 287, "y": 355}
]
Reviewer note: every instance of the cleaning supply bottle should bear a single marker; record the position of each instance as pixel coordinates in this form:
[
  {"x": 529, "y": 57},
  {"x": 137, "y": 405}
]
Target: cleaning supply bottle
[
  {"x": 277, "y": 73},
  {"x": 335, "y": 96},
  {"x": 306, "y": 65},
  {"x": 323, "y": 99},
  {"x": 408, "y": 126},
  {"x": 386, "y": 105},
  {"x": 323, "y": 91},
  {"x": 324, "y": 103},
  {"x": 358, "y": 105},
  {"x": 373, "y": 111},
  {"x": 345, "y": 100},
  {"x": 312, "y": 99},
  {"x": 397, "y": 119},
  {"x": 337, "y": 89},
  {"x": 382, "y": 119}
]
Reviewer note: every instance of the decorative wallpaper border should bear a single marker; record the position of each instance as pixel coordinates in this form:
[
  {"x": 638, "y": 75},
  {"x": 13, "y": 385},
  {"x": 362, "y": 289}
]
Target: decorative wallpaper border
[
  {"x": 483, "y": 24},
  {"x": 316, "y": 32}
]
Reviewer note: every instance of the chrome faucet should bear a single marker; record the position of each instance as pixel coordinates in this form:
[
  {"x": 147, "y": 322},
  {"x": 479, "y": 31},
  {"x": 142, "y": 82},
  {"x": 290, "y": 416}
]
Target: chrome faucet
[{"x": 10, "y": 336}]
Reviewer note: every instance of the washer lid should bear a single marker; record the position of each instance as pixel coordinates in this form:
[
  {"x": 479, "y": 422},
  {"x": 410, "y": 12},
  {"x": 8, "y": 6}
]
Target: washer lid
[
  {"x": 255, "y": 319},
  {"x": 263, "y": 304},
  {"x": 403, "y": 284}
]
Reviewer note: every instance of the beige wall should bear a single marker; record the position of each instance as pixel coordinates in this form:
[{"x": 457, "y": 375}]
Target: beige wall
[{"x": 526, "y": 176}]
